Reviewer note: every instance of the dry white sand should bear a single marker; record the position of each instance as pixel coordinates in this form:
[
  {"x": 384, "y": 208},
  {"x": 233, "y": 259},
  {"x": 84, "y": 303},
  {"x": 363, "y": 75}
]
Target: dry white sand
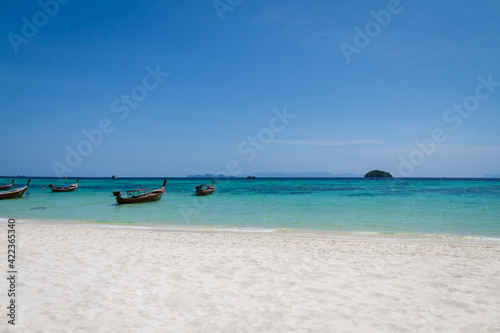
[{"x": 89, "y": 279}]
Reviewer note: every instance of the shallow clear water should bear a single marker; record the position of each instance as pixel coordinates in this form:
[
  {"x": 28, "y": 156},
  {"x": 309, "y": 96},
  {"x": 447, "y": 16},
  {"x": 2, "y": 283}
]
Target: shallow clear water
[{"x": 462, "y": 207}]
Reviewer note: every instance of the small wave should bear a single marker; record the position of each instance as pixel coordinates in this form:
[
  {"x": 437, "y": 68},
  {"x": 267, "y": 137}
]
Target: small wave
[{"x": 239, "y": 229}]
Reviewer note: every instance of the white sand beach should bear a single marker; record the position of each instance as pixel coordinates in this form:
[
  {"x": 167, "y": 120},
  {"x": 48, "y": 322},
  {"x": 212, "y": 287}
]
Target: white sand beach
[{"x": 94, "y": 279}]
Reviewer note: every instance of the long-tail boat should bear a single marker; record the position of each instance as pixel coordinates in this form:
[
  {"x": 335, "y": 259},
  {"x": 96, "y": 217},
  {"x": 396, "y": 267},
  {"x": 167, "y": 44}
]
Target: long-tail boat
[
  {"x": 6, "y": 186},
  {"x": 205, "y": 189},
  {"x": 139, "y": 195},
  {"x": 17, "y": 193},
  {"x": 64, "y": 188}
]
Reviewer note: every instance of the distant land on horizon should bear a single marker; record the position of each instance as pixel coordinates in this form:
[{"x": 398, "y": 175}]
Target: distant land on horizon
[
  {"x": 285, "y": 175},
  {"x": 316, "y": 175},
  {"x": 261, "y": 174}
]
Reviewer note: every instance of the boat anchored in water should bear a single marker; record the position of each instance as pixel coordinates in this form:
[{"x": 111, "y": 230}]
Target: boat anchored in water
[
  {"x": 17, "y": 193},
  {"x": 139, "y": 195},
  {"x": 6, "y": 186},
  {"x": 205, "y": 189},
  {"x": 64, "y": 188}
]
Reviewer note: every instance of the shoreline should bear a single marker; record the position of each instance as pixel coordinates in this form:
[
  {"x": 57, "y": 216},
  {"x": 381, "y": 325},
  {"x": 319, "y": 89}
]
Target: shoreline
[
  {"x": 77, "y": 278},
  {"x": 423, "y": 238}
]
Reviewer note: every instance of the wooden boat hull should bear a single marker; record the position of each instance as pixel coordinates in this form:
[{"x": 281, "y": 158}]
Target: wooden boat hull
[
  {"x": 204, "y": 192},
  {"x": 65, "y": 188},
  {"x": 13, "y": 194},
  {"x": 140, "y": 195},
  {"x": 152, "y": 196},
  {"x": 205, "y": 189},
  {"x": 6, "y": 186},
  {"x": 69, "y": 189}
]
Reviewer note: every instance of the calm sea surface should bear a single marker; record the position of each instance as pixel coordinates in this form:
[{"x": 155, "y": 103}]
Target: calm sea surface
[{"x": 445, "y": 207}]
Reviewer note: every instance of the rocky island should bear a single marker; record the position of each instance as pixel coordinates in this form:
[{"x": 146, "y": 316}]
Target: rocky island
[{"x": 378, "y": 174}]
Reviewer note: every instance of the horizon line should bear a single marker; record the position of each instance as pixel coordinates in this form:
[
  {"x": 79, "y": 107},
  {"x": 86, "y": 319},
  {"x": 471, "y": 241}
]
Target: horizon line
[{"x": 493, "y": 176}]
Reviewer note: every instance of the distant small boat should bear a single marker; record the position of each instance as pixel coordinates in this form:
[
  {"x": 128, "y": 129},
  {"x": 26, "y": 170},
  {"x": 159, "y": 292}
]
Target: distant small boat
[
  {"x": 17, "y": 193},
  {"x": 251, "y": 177},
  {"x": 140, "y": 195},
  {"x": 6, "y": 186},
  {"x": 64, "y": 188},
  {"x": 205, "y": 189},
  {"x": 113, "y": 177}
]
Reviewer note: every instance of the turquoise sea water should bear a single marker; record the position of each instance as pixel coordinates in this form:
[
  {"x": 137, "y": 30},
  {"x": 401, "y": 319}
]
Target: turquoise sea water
[{"x": 456, "y": 207}]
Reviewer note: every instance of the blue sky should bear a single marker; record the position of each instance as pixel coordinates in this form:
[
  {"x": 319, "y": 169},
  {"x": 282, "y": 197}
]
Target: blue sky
[{"x": 233, "y": 66}]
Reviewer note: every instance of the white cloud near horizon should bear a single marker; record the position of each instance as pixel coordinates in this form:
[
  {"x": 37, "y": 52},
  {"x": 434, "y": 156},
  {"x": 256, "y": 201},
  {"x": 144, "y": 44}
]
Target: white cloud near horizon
[
  {"x": 467, "y": 150},
  {"x": 442, "y": 150},
  {"x": 329, "y": 142}
]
